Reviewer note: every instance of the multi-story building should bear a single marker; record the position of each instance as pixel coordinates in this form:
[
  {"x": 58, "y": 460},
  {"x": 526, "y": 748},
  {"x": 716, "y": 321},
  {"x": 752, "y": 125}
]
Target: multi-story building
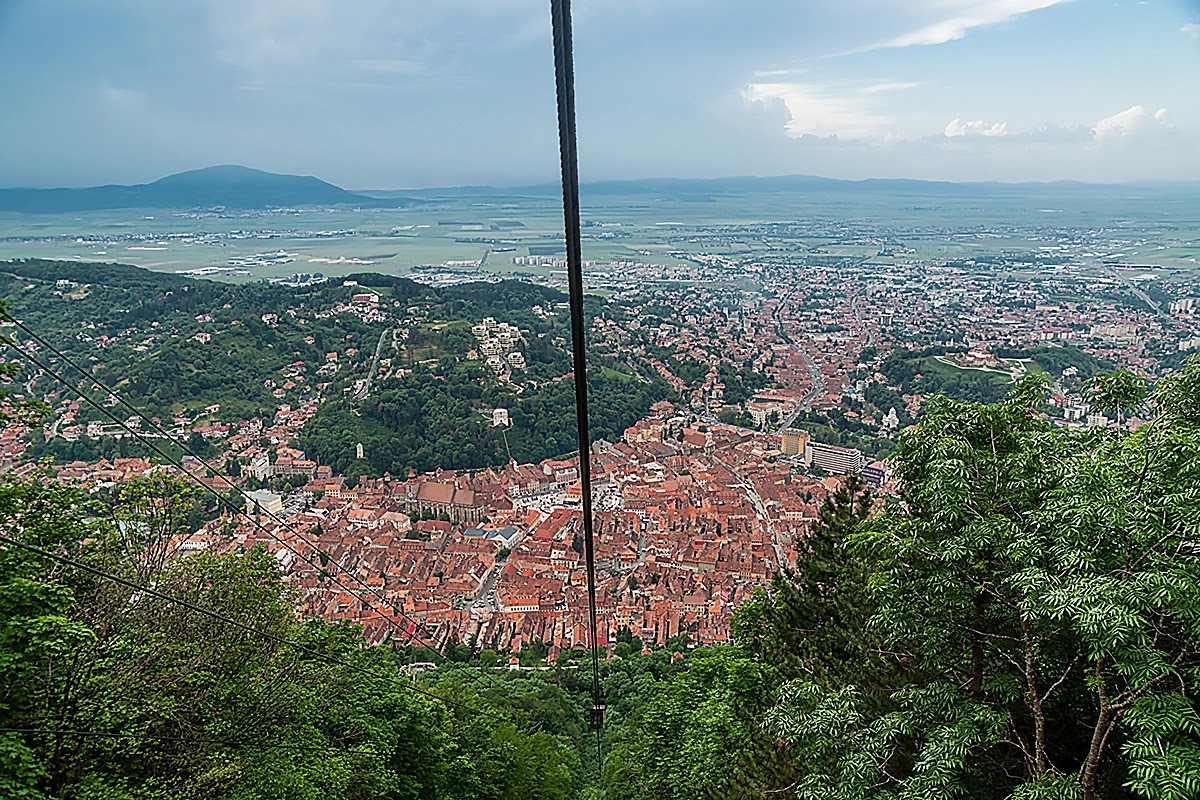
[
  {"x": 263, "y": 502},
  {"x": 832, "y": 459},
  {"x": 875, "y": 475},
  {"x": 794, "y": 442}
]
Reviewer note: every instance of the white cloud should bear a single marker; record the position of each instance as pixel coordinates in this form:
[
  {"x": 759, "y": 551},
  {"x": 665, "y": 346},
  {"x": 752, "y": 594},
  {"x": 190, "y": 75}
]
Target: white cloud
[
  {"x": 977, "y": 127},
  {"x": 894, "y": 86},
  {"x": 815, "y": 110},
  {"x": 1038, "y": 154},
  {"x": 1191, "y": 29},
  {"x": 1131, "y": 120},
  {"x": 956, "y": 17},
  {"x": 298, "y": 42},
  {"x": 778, "y": 73}
]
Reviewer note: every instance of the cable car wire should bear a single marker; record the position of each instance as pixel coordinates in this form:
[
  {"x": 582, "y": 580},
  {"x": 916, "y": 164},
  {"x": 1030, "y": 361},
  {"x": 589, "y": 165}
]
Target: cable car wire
[
  {"x": 564, "y": 80},
  {"x": 178, "y": 465},
  {"x": 99, "y": 573},
  {"x": 196, "y": 740},
  {"x": 411, "y": 635}
]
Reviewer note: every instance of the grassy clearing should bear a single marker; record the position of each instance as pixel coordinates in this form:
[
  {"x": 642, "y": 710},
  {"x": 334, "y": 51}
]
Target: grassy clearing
[
  {"x": 940, "y": 365},
  {"x": 608, "y": 372}
]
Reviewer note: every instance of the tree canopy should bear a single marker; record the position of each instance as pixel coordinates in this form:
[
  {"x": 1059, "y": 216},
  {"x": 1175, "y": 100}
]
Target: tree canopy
[
  {"x": 111, "y": 692},
  {"x": 1023, "y": 623}
]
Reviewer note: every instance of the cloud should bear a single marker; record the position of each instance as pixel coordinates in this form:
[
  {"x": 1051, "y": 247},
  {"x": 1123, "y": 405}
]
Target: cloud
[
  {"x": 778, "y": 73},
  {"x": 1131, "y": 120},
  {"x": 1040, "y": 154},
  {"x": 823, "y": 111},
  {"x": 978, "y": 127},
  {"x": 297, "y": 42},
  {"x": 894, "y": 86},
  {"x": 816, "y": 110},
  {"x": 1191, "y": 29},
  {"x": 957, "y": 17}
]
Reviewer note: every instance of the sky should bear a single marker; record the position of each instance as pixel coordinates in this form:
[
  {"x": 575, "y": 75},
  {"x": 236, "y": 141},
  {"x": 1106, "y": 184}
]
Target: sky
[{"x": 375, "y": 94}]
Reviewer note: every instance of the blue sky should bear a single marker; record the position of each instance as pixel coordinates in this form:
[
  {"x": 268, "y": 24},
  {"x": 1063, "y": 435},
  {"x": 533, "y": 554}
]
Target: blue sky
[{"x": 405, "y": 93}]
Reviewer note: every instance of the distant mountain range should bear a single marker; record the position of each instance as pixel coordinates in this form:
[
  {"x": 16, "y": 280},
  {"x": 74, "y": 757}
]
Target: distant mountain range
[
  {"x": 238, "y": 187},
  {"x": 697, "y": 188},
  {"x": 228, "y": 186}
]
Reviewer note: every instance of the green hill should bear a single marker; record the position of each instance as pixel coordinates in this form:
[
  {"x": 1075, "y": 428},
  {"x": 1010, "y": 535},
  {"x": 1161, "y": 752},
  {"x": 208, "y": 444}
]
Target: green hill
[{"x": 229, "y": 186}]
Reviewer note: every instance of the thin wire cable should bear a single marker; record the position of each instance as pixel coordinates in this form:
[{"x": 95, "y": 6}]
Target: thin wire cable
[
  {"x": 197, "y": 740},
  {"x": 475, "y": 679},
  {"x": 220, "y": 497},
  {"x": 564, "y": 80},
  {"x": 178, "y": 465},
  {"x": 475, "y": 675},
  {"x": 70, "y": 562}
]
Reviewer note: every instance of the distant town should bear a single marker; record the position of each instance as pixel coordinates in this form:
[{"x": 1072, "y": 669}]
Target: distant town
[{"x": 773, "y": 359}]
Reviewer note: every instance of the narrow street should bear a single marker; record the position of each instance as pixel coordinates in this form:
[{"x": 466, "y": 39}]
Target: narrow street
[
  {"x": 814, "y": 372},
  {"x": 760, "y": 508},
  {"x": 858, "y": 316}
]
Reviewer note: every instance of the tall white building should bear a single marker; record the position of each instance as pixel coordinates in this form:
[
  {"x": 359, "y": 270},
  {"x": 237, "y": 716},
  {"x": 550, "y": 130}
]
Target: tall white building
[
  {"x": 832, "y": 459},
  {"x": 264, "y": 502}
]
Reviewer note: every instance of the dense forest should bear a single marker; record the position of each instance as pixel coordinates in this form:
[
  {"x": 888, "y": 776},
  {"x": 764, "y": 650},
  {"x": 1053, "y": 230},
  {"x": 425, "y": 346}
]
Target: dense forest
[{"x": 423, "y": 422}]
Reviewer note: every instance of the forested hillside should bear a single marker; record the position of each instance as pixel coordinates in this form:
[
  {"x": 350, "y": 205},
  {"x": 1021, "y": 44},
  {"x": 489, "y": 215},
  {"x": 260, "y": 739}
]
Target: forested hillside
[
  {"x": 137, "y": 330},
  {"x": 428, "y": 420},
  {"x": 436, "y": 411},
  {"x": 175, "y": 346},
  {"x": 926, "y": 372}
]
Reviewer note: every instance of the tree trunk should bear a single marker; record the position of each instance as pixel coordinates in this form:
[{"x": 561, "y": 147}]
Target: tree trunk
[
  {"x": 1096, "y": 751},
  {"x": 1035, "y": 705},
  {"x": 975, "y": 685}
]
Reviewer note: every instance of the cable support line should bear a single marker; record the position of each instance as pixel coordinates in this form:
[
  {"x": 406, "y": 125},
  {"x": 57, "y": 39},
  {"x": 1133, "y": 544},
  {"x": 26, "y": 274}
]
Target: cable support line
[
  {"x": 99, "y": 573},
  {"x": 475, "y": 674},
  {"x": 158, "y": 429},
  {"x": 176, "y": 463},
  {"x": 195, "y": 740},
  {"x": 411, "y": 635},
  {"x": 564, "y": 80}
]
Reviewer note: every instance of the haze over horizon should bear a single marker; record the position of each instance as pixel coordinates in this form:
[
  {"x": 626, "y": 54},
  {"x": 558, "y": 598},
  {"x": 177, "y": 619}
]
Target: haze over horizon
[
  {"x": 367, "y": 96},
  {"x": 217, "y": 179}
]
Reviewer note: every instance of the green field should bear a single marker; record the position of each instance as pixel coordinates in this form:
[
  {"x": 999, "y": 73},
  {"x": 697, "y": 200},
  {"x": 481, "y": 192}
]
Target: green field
[
  {"x": 651, "y": 229},
  {"x": 937, "y": 365}
]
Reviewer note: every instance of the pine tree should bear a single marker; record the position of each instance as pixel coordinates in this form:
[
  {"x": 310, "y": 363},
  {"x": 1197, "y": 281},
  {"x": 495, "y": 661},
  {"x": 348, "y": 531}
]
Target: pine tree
[{"x": 812, "y": 620}]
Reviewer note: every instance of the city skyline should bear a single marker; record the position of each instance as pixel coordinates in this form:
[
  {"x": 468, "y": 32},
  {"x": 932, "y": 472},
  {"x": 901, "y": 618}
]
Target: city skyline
[{"x": 462, "y": 92}]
